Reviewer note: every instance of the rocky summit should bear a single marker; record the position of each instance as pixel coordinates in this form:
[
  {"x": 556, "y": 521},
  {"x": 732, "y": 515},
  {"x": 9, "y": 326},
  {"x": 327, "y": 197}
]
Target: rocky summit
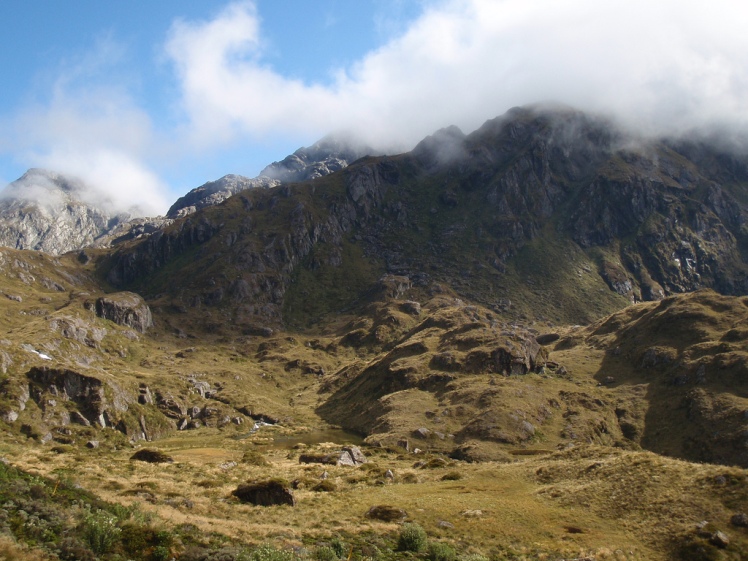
[
  {"x": 393, "y": 357},
  {"x": 44, "y": 211}
]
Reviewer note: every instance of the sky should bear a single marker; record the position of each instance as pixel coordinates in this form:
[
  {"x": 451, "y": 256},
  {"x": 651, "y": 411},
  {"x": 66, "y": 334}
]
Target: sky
[{"x": 146, "y": 100}]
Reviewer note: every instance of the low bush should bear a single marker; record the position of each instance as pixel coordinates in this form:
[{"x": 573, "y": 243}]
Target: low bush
[
  {"x": 412, "y": 538},
  {"x": 441, "y": 552}
]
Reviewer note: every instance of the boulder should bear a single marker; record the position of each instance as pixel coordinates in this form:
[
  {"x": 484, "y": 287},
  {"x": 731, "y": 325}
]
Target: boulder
[
  {"x": 422, "y": 433},
  {"x": 87, "y": 392},
  {"x": 151, "y": 456},
  {"x": 124, "y": 308},
  {"x": 386, "y": 513},
  {"x": 351, "y": 456},
  {"x": 265, "y": 493}
]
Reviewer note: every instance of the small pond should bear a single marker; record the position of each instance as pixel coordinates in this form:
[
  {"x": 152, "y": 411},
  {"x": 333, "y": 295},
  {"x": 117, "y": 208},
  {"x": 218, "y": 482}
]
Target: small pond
[{"x": 337, "y": 436}]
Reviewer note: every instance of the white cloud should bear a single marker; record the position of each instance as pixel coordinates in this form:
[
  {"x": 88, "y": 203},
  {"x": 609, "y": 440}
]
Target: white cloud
[
  {"x": 90, "y": 128},
  {"x": 662, "y": 66},
  {"x": 100, "y": 137}
]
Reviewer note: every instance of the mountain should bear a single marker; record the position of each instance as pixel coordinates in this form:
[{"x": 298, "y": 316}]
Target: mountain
[
  {"x": 326, "y": 156},
  {"x": 543, "y": 214},
  {"x": 547, "y": 310},
  {"x": 47, "y": 211},
  {"x": 215, "y": 192},
  {"x": 44, "y": 211}
]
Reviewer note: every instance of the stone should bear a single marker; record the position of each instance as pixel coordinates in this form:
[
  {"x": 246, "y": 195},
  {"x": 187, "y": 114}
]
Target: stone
[
  {"x": 740, "y": 520},
  {"x": 411, "y": 308},
  {"x": 386, "y": 513},
  {"x": 422, "y": 433},
  {"x": 445, "y": 525},
  {"x": 78, "y": 419},
  {"x": 389, "y": 475},
  {"x": 719, "y": 539},
  {"x": 92, "y": 444},
  {"x": 403, "y": 443},
  {"x": 547, "y": 338},
  {"x": 124, "y": 308},
  {"x": 10, "y": 416},
  {"x": 265, "y": 493},
  {"x": 151, "y": 456},
  {"x": 351, "y": 456}
]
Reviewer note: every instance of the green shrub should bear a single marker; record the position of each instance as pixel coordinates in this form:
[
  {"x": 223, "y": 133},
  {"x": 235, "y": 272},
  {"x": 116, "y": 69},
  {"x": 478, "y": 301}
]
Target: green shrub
[
  {"x": 100, "y": 531},
  {"x": 441, "y": 552},
  {"x": 325, "y": 553},
  {"x": 338, "y": 547},
  {"x": 412, "y": 538},
  {"x": 161, "y": 553}
]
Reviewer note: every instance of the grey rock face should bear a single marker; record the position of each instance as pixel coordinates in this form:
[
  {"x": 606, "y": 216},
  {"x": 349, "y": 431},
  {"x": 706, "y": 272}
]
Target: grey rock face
[
  {"x": 329, "y": 155},
  {"x": 124, "y": 308},
  {"x": 44, "y": 211},
  {"x": 215, "y": 192},
  {"x": 322, "y": 158}
]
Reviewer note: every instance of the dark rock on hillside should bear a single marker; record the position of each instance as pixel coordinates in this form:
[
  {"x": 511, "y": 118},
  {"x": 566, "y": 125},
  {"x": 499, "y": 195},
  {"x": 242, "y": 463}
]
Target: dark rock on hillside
[
  {"x": 265, "y": 493},
  {"x": 151, "y": 456},
  {"x": 124, "y": 308},
  {"x": 386, "y": 513},
  {"x": 96, "y": 401}
]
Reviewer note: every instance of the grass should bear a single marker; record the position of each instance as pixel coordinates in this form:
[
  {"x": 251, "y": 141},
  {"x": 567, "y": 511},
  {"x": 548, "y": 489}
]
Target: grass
[
  {"x": 524, "y": 499},
  {"x": 618, "y": 500}
]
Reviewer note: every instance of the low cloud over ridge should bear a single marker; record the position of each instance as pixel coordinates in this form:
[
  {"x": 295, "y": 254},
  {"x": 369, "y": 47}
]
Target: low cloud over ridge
[{"x": 662, "y": 67}]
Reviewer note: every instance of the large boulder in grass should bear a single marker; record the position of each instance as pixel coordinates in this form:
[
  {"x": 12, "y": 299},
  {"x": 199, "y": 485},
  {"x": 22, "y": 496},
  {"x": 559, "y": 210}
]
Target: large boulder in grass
[
  {"x": 265, "y": 493},
  {"x": 124, "y": 308},
  {"x": 348, "y": 456},
  {"x": 386, "y": 513},
  {"x": 351, "y": 456},
  {"x": 151, "y": 456}
]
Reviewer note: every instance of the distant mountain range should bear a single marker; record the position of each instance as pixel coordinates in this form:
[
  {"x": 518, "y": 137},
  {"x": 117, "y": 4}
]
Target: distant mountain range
[{"x": 64, "y": 221}]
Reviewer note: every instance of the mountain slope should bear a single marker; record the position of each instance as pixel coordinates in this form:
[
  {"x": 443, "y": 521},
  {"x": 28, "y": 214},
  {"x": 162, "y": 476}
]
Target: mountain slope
[
  {"x": 324, "y": 157},
  {"x": 546, "y": 214}
]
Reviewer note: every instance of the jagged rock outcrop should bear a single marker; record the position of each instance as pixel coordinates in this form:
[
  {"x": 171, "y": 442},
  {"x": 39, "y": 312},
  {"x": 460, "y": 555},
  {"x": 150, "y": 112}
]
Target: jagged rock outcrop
[
  {"x": 124, "y": 308},
  {"x": 46, "y": 211},
  {"x": 89, "y": 394},
  {"x": 215, "y": 192},
  {"x": 133, "y": 229},
  {"x": 324, "y": 157}
]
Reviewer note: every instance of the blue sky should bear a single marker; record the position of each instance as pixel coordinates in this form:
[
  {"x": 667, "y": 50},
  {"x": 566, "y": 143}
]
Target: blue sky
[
  {"x": 79, "y": 45},
  {"x": 145, "y": 100}
]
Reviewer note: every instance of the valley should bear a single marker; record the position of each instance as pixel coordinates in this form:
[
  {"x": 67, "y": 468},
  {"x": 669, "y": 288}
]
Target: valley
[{"x": 536, "y": 335}]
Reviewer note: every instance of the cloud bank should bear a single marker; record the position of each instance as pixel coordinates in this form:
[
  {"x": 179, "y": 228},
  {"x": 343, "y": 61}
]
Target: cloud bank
[{"x": 663, "y": 67}]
